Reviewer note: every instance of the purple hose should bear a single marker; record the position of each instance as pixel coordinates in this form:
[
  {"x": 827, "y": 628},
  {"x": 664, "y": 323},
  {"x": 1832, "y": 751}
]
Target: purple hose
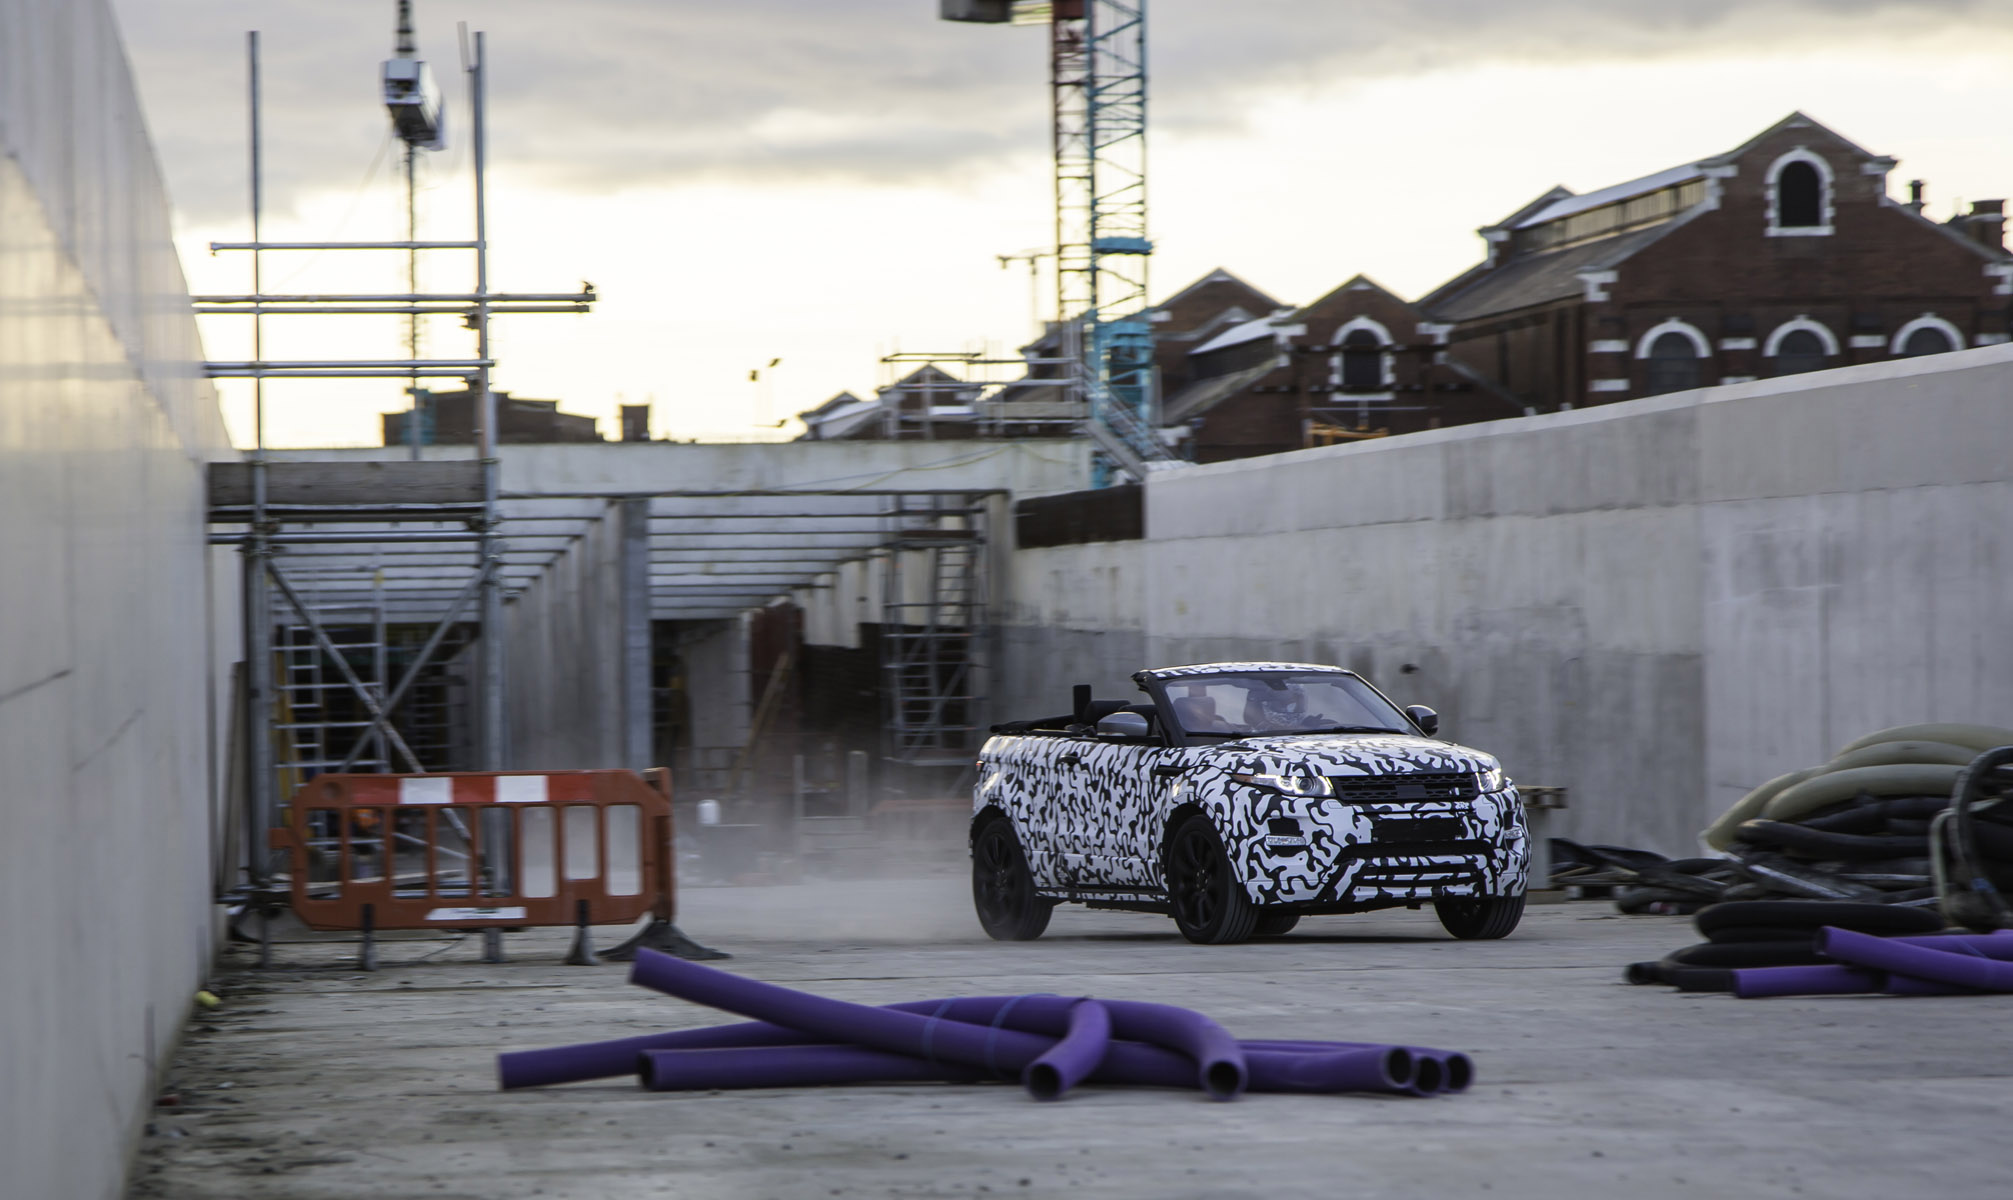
[
  {"x": 1373, "y": 1069},
  {"x": 788, "y": 1066},
  {"x": 1962, "y": 968},
  {"x": 1837, "y": 980},
  {"x": 962, "y": 1039},
  {"x": 1192, "y": 1037},
  {"x": 1753, "y": 983},
  {"x": 1450, "y": 1071},
  {"x": 1074, "y": 1056},
  {"x": 1000, "y": 1048},
  {"x": 1000, "y": 1052}
]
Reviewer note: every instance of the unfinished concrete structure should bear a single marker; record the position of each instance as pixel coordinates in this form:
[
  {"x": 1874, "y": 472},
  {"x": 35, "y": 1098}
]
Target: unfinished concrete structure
[
  {"x": 1656, "y": 604},
  {"x": 108, "y": 709}
]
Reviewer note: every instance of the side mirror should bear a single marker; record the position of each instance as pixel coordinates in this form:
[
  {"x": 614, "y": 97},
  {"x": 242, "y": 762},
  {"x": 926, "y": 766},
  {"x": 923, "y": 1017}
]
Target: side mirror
[
  {"x": 1122, "y": 724},
  {"x": 1425, "y": 718}
]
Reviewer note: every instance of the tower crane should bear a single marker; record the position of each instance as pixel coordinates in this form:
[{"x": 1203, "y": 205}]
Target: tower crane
[{"x": 1097, "y": 85}]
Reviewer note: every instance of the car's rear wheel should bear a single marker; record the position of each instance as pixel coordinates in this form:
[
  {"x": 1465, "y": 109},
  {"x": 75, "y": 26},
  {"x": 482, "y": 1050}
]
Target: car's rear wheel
[
  {"x": 1481, "y": 917},
  {"x": 1273, "y": 923},
  {"x": 1210, "y": 907},
  {"x": 1003, "y": 888}
]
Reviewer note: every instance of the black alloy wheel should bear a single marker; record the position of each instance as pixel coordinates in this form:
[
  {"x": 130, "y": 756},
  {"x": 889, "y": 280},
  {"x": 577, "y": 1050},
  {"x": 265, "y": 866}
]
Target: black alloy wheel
[
  {"x": 1210, "y": 907},
  {"x": 1003, "y": 888},
  {"x": 1480, "y": 918},
  {"x": 1273, "y": 922}
]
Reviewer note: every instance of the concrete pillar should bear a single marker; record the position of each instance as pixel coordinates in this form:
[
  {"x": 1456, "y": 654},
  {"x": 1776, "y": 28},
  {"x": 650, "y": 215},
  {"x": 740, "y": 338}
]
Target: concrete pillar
[{"x": 633, "y": 567}]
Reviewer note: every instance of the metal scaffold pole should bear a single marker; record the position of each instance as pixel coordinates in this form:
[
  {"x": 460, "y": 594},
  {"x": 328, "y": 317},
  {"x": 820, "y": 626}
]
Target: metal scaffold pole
[
  {"x": 257, "y": 616},
  {"x": 490, "y": 702}
]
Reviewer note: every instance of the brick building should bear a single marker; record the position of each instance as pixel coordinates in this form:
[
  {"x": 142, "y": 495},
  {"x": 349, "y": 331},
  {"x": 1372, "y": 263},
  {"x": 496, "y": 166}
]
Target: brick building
[
  {"x": 1358, "y": 362},
  {"x": 1786, "y": 254},
  {"x": 448, "y": 419}
]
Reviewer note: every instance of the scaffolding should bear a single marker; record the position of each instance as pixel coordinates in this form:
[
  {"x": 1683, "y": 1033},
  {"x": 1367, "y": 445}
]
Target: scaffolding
[
  {"x": 934, "y": 630},
  {"x": 319, "y": 692}
]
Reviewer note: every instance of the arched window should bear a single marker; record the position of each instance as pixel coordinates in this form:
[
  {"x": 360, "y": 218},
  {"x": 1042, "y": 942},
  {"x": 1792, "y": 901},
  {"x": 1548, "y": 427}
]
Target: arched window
[
  {"x": 1362, "y": 362},
  {"x": 1799, "y": 350},
  {"x": 1926, "y": 340},
  {"x": 1926, "y": 334},
  {"x": 1674, "y": 364},
  {"x": 1799, "y": 197}
]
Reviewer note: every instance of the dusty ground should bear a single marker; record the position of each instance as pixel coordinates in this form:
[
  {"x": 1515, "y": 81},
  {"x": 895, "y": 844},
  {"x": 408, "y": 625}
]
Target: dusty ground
[{"x": 314, "y": 1080}]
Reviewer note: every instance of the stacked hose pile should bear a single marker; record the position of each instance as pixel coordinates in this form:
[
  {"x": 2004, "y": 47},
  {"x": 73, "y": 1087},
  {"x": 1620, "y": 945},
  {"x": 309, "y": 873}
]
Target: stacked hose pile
[
  {"x": 1049, "y": 1043},
  {"x": 1858, "y": 828},
  {"x": 1770, "y": 933},
  {"x": 1804, "y": 948}
]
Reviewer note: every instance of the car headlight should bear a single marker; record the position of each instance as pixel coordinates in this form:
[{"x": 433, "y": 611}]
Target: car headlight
[
  {"x": 1292, "y": 785},
  {"x": 1491, "y": 780}
]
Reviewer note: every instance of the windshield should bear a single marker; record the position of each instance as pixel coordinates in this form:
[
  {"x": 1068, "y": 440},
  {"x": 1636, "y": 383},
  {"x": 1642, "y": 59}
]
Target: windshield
[{"x": 1239, "y": 705}]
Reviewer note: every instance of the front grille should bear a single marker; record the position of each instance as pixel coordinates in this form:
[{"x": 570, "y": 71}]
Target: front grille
[{"x": 1396, "y": 789}]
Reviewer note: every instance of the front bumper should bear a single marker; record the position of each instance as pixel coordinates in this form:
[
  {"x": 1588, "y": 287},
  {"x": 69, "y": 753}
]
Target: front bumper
[{"x": 1331, "y": 852}]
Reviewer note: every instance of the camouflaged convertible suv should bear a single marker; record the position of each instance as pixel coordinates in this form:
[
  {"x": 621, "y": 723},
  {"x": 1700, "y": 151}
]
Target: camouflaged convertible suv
[{"x": 1239, "y": 798}]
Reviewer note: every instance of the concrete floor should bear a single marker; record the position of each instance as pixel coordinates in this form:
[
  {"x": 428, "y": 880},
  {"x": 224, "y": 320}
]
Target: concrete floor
[{"x": 313, "y": 1080}]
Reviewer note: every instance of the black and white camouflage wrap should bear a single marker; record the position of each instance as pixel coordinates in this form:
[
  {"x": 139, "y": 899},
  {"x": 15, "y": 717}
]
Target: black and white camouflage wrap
[{"x": 1410, "y": 820}]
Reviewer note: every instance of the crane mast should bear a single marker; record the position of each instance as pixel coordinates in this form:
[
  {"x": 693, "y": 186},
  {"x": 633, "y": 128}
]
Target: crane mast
[{"x": 1097, "y": 83}]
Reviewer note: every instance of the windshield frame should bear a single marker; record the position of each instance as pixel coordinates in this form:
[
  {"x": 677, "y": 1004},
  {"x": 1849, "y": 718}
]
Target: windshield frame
[{"x": 1177, "y": 735}]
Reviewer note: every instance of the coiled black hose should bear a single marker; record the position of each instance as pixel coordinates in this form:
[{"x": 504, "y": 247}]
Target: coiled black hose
[{"x": 1969, "y": 896}]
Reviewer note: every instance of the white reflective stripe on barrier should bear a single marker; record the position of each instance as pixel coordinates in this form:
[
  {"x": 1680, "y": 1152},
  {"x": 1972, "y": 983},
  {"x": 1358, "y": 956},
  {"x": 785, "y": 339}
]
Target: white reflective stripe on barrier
[
  {"x": 425, "y": 789},
  {"x": 520, "y": 789},
  {"x": 475, "y": 914}
]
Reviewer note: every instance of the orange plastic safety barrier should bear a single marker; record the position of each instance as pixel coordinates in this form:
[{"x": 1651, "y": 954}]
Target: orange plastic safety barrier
[{"x": 481, "y": 850}]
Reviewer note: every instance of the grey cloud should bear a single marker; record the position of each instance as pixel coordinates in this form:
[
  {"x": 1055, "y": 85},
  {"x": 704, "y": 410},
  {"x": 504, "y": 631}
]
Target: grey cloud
[{"x": 598, "y": 94}]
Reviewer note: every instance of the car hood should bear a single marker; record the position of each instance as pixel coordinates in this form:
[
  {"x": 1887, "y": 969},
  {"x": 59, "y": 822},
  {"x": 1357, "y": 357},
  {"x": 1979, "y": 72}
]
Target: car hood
[{"x": 1351, "y": 754}]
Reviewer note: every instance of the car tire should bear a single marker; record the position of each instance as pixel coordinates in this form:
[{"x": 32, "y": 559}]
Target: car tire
[
  {"x": 1003, "y": 892},
  {"x": 1480, "y": 918},
  {"x": 1209, "y": 904},
  {"x": 1274, "y": 923}
]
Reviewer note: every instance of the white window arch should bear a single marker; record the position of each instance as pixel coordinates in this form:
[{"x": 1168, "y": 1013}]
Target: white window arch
[
  {"x": 1814, "y": 223},
  {"x": 1773, "y": 345},
  {"x": 1673, "y": 325},
  {"x": 1925, "y": 321},
  {"x": 1386, "y": 366},
  {"x": 1675, "y": 357}
]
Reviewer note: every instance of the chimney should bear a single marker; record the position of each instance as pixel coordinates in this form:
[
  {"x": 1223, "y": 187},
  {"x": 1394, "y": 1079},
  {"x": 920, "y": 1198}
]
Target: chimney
[
  {"x": 636, "y": 422},
  {"x": 1915, "y": 196},
  {"x": 1987, "y": 223}
]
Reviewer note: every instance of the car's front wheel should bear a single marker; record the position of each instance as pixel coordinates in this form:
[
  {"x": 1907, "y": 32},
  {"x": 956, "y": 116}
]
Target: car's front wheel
[
  {"x": 1481, "y": 917},
  {"x": 1210, "y": 907},
  {"x": 1003, "y": 888}
]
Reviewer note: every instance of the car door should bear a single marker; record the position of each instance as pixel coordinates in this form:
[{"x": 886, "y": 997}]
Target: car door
[{"x": 1128, "y": 779}]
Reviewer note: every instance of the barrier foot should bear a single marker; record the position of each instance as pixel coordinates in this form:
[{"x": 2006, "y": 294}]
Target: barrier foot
[
  {"x": 366, "y": 954},
  {"x": 492, "y": 945},
  {"x": 582, "y": 954},
  {"x": 265, "y": 938},
  {"x": 664, "y": 937}
]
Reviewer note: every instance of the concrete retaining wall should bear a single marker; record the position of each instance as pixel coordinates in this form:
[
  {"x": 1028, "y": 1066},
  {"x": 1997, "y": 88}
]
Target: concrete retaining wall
[
  {"x": 1657, "y": 604},
  {"x": 107, "y": 730}
]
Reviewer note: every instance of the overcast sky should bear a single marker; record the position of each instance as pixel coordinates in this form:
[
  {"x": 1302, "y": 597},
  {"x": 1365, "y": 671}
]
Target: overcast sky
[{"x": 823, "y": 181}]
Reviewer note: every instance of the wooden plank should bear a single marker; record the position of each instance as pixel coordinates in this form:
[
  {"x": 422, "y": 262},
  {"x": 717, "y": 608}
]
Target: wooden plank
[{"x": 338, "y": 483}]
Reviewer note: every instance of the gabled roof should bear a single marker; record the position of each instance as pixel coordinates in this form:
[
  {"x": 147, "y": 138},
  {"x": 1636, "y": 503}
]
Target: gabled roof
[
  {"x": 1355, "y": 283},
  {"x": 1566, "y": 206},
  {"x": 1504, "y": 284},
  {"x": 1536, "y": 278},
  {"x": 1795, "y": 120},
  {"x": 1237, "y": 335},
  {"x": 1219, "y": 275}
]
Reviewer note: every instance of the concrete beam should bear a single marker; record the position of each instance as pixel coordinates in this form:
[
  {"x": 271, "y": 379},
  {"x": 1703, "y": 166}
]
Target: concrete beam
[{"x": 642, "y": 468}]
